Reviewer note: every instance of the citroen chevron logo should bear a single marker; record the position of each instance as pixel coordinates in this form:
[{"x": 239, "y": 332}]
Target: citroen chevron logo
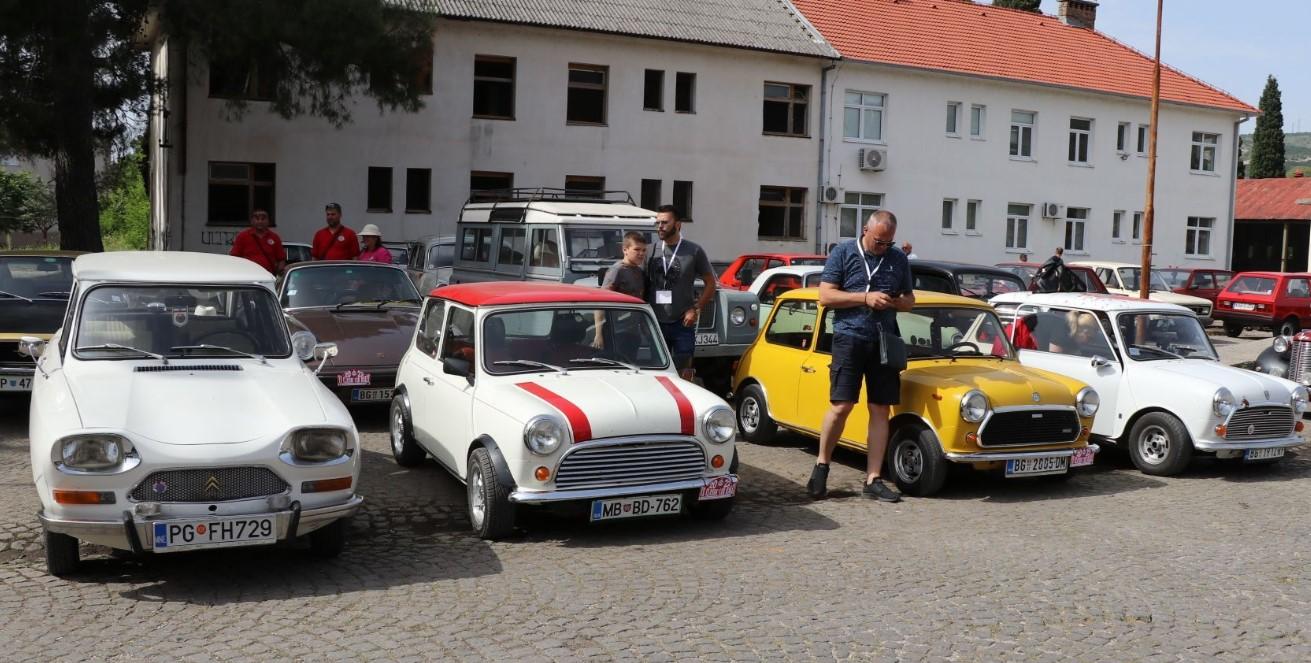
[{"x": 212, "y": 486}]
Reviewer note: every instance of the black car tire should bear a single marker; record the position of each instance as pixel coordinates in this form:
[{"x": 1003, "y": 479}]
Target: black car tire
[
  {"x": 1291, "y": 325},
  {"x": 1233, "y": 329},
  {"x": 404, "y": 448},
  {"x": 1159, "y": 444},
  {"x": 916, "y": 463},
  {"x": 753, "y": 415},
  {"x": 497, "y": 517},
  {"x": 62, "y": 557}
]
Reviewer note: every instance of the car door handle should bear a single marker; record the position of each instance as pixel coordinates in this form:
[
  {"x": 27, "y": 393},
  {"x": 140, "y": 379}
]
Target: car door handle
[
  {"x": 428, "y": 381},
  {"x": 807, "y": 369}
]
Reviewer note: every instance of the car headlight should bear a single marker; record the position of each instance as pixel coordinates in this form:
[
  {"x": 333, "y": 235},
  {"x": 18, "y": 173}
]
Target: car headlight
[
  {"x": 317, "y": 444},
  {"x": 1087, "y": 402},
  {"x": 720, "y": 424},
  {"x": 738, "y": 316},
  {"x": 1300, "y": 399},
  {"x": 98, "y": 451},
  {"x": 1223, "y": 403},
  {"x": 974, "y": 407},
  {"x": 1281, "y": 344},
  {"x": 543, "y": 435}
]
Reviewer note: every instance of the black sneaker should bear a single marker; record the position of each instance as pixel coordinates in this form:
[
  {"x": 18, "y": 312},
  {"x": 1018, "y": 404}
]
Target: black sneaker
[
  {"x": 878, "y": 490},
  {"x": 818, "y": 485}
]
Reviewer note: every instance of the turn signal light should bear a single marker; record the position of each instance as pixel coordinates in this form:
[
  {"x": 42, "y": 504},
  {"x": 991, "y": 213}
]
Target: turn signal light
[
  {"x": 971, "y": 437},
  {"x": 325, "y": 485},
  {"x": 542, "y": 473},
  {"x": 83, "y": 497},
  {"x": 1221, "y": 430},
  {"x": 717, "y": 462},
  {"x": 1298, "y": 427},
  {"x": 1083, "y": 432}
]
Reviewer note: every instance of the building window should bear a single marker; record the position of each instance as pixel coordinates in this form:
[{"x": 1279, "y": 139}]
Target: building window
[
  {"x": 1197, "y": 243},
  {"x": 1117, "y": 220},
  {"x": 418, "y": 190},
  {"x": 856, "y": 208},
  {"x": 953, "y": 118},
  {"x": 1076, "y": 218},
  {"x": 245, "y": 80},
  {"x": 653, "y": 90},
  {"x": 862, "y": 116},
  {"x": 978, "y": 114},
  {"x": 1080, "y": 137},
  {"x": 1022, "y": 133},
  {"x": 493, "y": 87},
  {"x": 379, "y": 195},
  {"x": 1122, "y": 137},
  {"x": 684, "y": 92},
  {"x": 650, "y": 194},
  {"x": 782, "y": 213},
  {"x": 948, "y": 215},
  {"x": 1017, "y": 225},
  {"x": 1141, "y": 145},
  {"x": 786, "y": 108},
  {"x": 683, "y": 198},
  {"x": 972, "y": 215},
  {"x": 583, "y": 185},
  {"x": 1203, "y": 157},
  {"x": 587, "y": 89},
  {"x": 485, "y": 186},
  {"x": 237, "y": 188},
  {"x": 1137, "y": 227}
]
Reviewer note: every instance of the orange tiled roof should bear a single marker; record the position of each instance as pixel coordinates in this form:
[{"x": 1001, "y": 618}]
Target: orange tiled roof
[
  {"x": 963, "y": 37},
  {"x": 1274, "y": 198}
]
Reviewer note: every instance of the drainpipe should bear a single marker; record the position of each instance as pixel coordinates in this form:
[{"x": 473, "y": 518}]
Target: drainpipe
[
  {"x": 1233, "y": 192},
  {"x": 823, "y": 135}
]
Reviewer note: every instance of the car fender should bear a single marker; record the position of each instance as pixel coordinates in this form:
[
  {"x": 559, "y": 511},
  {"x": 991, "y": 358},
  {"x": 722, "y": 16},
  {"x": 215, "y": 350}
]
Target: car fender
[
  {"x": 911, "y": 418},
  {"x": 502, "y": 469}
]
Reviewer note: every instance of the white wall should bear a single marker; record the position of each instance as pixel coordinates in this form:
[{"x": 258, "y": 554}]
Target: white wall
[{"x": 925, "y": 166}]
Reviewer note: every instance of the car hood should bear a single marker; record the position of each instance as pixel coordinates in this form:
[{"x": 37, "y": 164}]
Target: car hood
[
  {"x": 1004, "y": 382},
  {"x": 1211, "y": 375},
  {"x": 364, "y": 337},
  {"x": 1176, "y": 298},
  {"x": 195, "y": 406},
  {"x": 603, "y": 403}
]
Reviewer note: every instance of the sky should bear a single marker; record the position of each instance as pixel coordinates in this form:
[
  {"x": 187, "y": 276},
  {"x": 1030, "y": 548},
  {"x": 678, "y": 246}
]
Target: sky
[{"x": 1230, "y": 44}]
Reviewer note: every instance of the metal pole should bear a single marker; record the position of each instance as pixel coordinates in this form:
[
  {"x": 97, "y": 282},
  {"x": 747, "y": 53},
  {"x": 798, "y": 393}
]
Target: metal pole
[{"x": 1149, "y": 211}]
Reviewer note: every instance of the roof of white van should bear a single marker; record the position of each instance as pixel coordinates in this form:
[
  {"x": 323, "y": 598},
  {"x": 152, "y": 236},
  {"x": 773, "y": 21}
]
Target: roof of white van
[
  {"x": 168, "y": 267},
  {"x": 563, "y": 210}
]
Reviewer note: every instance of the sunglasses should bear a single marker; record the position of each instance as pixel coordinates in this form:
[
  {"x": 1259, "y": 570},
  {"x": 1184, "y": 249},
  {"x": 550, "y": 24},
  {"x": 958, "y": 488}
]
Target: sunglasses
[{"x": 879, "y": 242}]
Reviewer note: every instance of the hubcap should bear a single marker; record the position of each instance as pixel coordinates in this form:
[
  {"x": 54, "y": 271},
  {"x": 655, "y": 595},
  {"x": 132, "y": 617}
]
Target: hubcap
[
  {"x": 750, "y": 414},
  {"x": 1154, "y": 445},
  {"x": 908, "y": 461},
  {"x": 397, "y": 429},
  {"x": 477, "y": 504}
]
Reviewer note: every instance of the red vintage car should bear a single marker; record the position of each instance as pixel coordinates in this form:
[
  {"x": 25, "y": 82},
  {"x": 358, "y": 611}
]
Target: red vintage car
[
  {"x": 741, "y": 272},
  {"x": 1204, "y": 283},
  {"x": 1027, "y": 270},
  {"x": 1265, "y": 300}
]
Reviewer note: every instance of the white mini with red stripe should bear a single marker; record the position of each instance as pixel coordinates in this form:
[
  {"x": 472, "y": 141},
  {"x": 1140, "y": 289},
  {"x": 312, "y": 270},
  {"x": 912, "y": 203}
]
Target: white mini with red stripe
[{"x": 547, "y": 394}]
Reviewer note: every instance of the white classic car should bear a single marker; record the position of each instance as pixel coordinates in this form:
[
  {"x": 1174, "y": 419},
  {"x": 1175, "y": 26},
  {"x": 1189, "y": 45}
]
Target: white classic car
[
  {"x": 1165, "y": 394},
  {"x": 1122, "y": 278},
  {"x": 172, "y": 411},
  {"x": 777, "y": 280},
  {"x": 538, "y": 394}
]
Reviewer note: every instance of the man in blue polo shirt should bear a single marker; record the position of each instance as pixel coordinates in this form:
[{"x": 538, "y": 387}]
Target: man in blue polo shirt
[{"x": 865, "y": 282}]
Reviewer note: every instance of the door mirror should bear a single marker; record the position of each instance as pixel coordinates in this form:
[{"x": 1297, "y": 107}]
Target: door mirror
[
  {"x": 31, "y": 346},
  {"x": 1099, "y": 362},
  {"x": 323, "y": 352},
  {"x": 457, "y": 366}
]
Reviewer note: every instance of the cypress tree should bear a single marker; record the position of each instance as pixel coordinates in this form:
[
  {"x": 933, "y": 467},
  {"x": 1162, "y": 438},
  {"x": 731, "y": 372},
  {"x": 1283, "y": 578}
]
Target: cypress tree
[{"x": 1268, "y": 139}]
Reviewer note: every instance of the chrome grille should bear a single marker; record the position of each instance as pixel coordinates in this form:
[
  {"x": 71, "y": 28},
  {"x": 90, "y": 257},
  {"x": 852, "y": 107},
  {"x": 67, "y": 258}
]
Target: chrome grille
[
  {"x": 1299, "y": 360},
  {"x": 626, "y": 464},
  {"x": 219, "y": 484},
  {"x": 186, "y": 367},
  {"x": 1260, "y": 423},
  {"x": 706, "y": 321},
  {"x": 1029, "y": 426}
]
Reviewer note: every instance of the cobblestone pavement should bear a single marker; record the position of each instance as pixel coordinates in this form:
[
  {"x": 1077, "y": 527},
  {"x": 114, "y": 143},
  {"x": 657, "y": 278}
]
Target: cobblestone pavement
[{"x": 1110, "y": 565}]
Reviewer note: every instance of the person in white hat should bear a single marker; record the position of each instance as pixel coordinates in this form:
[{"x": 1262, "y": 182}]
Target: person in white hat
[{"x": 373, "y": 251}]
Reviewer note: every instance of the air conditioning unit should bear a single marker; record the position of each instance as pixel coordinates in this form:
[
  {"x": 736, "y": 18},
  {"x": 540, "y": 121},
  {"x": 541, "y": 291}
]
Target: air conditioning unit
[
  {"x": 832, "y": 194},
  {"x": 873, "y": 159},
  {"x": 1053, "y": 210}
]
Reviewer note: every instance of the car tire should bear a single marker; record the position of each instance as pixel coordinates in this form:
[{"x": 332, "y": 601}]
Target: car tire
[
  {"x": 714, "y": 509},
  {"x": 62, "y": 557},
  {"x": 1288, "y": 327},
  {"x": 404, "y": 448},
  {"x": 1233, "y": 330},
  {"x": 490, "y": 511},
  {"x": 1159, "y": 445},
  {"x": 753, "y": 415},
  {"x": 328, "y": 541},
  {"x": 915, "y": 461}
]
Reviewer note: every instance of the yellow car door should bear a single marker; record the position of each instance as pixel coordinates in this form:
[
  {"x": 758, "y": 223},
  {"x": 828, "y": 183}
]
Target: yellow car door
[
  {"x": 777, "y": 355},
  {"x": 813, "y": 387}
]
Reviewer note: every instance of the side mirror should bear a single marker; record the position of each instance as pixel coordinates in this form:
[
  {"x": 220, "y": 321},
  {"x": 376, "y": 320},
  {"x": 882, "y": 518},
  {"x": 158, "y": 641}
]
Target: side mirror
[
  {"x": 31, "y": 346},
  {"x": 303, "y": 344},
  {"x": 457, "y": 366},
  {"x": 323, "y": 352},
  {"x": 1099, "y": 362}
]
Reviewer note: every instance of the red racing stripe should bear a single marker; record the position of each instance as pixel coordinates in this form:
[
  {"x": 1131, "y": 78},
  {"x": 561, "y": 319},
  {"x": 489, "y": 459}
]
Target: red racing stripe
[
  {"x": 582, "y": 428},
  {"x": 684, "y": 405}
]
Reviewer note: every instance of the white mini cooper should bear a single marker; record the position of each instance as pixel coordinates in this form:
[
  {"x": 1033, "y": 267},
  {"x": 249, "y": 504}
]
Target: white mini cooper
[
  {"x": 172, "y": 411},
  {"x": 539, "y": 394}
]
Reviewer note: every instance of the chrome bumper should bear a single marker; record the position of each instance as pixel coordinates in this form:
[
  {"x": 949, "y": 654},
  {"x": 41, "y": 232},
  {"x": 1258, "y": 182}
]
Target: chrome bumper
[
  {"x": 1213, "y": 445},
  {"x": 989, "y": 456},
  {"x": 557, "y": 496},
  {"x": 114, "y": 533}
]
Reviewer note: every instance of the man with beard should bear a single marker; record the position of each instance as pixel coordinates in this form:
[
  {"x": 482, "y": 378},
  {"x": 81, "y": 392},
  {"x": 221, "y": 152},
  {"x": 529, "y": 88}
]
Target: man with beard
[
  {"x": 336, "y": 241},
  {"x": 672, "y": 270}
]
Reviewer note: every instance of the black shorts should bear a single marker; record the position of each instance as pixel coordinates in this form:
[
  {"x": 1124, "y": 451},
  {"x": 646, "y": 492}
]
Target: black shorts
[{"x": 854, "y": 360}]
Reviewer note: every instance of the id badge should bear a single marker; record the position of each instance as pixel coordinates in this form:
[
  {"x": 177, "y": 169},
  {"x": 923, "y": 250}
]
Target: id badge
[{"x": 664, "y": 297}]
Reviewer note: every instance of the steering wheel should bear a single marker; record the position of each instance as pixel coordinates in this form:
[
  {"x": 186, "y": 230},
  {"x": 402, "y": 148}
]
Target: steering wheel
[
  {"x": 248, "y": 340},
  {"x": 967, "y": 344}
]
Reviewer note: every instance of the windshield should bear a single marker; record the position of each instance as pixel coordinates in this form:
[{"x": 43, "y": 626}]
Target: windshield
[
  {"x": 985, "y": 286},
  {"x": 1252, "y": 285},
  {"x": 35, "y": 277},
  {"x": 952, "y": 331},
  {"x": 400, "y": 253},
  {"x": 1025, "y": 272},
  {"x": 522, "y": 341},
  {"x": 1175, "y": 278},
  {"x": 441, "y": 255},
  {"x": 597, "y": 244},
  {"x": 346, "y": 285},
  {"x": 1129, "y": 276},
  {"x": 164, "y": 319},
  {"x": 1153, "y": 336}
]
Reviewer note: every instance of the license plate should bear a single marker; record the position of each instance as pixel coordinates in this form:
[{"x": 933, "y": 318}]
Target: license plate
[
  {"x": 354, "y": 378},
  {"x": 362, "y": 395},
  {"x": 718, "y": 488},
  {"x": 171, "y": 535},
  {"x": 1036, "y": 466},
  {"x": 1263, "y": 454},
  {"x": 633, "y": 507},
  {"x": 1239, "y": 306},
  {"x": 15, "y": 384},
  {"x": 707, "y": 338},
  {"x": 1082, "y": 457}
]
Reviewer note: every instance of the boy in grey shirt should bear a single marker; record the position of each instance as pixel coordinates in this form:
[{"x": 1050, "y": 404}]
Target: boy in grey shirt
[{"x": 626, "y": 275}]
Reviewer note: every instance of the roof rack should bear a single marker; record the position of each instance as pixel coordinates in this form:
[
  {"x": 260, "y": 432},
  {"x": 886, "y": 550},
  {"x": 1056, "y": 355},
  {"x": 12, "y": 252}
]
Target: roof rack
[{"x": 539, "y": 194}]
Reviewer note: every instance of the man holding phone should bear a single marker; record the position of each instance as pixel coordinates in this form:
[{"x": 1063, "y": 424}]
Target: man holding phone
[{"x": 865, "y": 282}]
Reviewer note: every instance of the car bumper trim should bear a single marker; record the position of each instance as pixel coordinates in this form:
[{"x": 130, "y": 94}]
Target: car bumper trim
[
  {"x": 987, "y": 457},
  {"x": 557, "y": 496},
  {"x": 1215, "y": 445}
]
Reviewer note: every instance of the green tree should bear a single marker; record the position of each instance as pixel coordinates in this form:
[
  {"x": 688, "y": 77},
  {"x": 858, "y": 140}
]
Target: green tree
[
  {"x": 26, "y": 204},
  {"x": 1268, "y": 139},
  {"x": 1024, "y": 5},
  {"x": 75, "y": 75},
  {"x": 124, "y": 205}
]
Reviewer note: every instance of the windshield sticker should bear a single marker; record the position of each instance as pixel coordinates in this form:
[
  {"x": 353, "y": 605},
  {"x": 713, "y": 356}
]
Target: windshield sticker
[
  {"x": 292, "y": 292},
  {"x": 180, "y": 319},
  {"x": 1134, "y": 352}
]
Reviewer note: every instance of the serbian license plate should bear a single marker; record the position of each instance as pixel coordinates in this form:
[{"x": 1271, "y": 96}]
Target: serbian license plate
[
  {"x": 366, "y": 395},
  {"x": 354, "y": 378},
  {"x": 718, "y": 488},
  {"x": 171, "y": 535},
  {"x": 707, "y": 338},
  {"x": 632, "y": 507},
  {"x": 10, "y": 383},
  {"x": 1082, "y": 457},
  {"x": 1263, "y": 454},
  {"x": 1240, "y": 306},
  {"x": 1035, "y": 466}
]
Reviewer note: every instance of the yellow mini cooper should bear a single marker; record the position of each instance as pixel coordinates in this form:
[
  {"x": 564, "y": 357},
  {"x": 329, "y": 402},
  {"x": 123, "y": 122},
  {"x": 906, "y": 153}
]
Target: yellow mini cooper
[{"x": 965, "y": 398}]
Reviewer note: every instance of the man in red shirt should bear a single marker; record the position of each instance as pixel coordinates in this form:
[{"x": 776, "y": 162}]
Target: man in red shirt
[
  {"x": 335, "y": 242},
  {"x": 260, "y": 245}
]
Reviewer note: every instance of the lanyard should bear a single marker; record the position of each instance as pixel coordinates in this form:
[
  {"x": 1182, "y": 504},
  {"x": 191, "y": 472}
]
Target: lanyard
[
  {"x": 667, "y": 262},
  {"x": 869, "y": 274}
]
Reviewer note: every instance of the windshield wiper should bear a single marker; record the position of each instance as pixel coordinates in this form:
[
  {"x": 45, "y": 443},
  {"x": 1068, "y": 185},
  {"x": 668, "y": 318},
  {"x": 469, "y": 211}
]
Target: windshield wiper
[
  {"x": 397, "y": 301},
  {"x": 607, "y": 362},
  {"x": 60, "y": 294},
  {"x": 224, "y": 348},
  {"x": 528, "y": 362},
  {"x": 10, "y": 294},
  {"x": 115, "y": 346},
  {"x": 1149, "y": 348}
]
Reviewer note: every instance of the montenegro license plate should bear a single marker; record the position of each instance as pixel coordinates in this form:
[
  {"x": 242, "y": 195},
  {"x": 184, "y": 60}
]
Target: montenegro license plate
[
  {"x": 1020, "y": 467},
  {"x": 1263, "y": 454},
  {"x": 368, "y": 395},
  {"x": 633, "y": 507},
  {"x": 13, "y": 383},
  {"x": 173, "y": 535},
  {"x": 707, "y": 338}
]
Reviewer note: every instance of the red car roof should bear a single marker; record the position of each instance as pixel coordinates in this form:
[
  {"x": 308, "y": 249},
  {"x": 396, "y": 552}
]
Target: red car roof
[
  {"x": 1272, "y": 275},
  {"x": 501, "y": 293}
]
